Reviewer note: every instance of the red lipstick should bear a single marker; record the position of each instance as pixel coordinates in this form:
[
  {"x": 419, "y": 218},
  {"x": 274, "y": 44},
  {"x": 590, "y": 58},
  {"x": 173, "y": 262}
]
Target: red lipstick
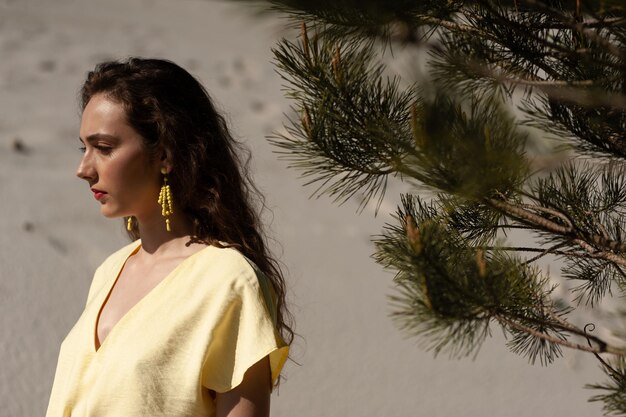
[{"x": 98, "y": 194}]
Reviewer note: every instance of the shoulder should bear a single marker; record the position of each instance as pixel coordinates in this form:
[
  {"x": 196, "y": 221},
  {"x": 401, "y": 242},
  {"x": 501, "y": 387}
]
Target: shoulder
[
  {"x": 229, "y": 263},
  {"x": 246, "y": 279},
  {"x": 227, "y": 260},
  {"x": 119, "y": 256}
]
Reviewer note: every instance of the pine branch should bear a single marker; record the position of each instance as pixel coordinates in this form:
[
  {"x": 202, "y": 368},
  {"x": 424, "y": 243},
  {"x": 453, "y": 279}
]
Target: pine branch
[
  {"x": 528, "y": 217},
  {"x": 567, "y": 232},
  {"x": 577, "y": 25},
  {"x": 356, "y": 126},
  {"x": 543, "y": 252},
  {"x": 614, "y": 398},
  {"x": 602, "y": 348}
]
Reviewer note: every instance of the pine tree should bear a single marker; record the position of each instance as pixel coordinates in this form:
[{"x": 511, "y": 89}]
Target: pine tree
[{"x": 459, "y": 271}]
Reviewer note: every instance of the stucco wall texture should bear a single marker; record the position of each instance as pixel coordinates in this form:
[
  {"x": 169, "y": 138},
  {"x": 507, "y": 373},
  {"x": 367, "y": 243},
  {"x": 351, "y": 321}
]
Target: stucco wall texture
[{"x": 350, "y": 359}]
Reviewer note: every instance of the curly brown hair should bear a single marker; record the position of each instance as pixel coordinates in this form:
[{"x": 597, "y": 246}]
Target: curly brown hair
[{"x": 171, "y": 110}]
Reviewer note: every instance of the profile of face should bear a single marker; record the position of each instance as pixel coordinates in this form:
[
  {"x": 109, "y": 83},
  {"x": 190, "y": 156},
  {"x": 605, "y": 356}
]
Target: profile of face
[{"x": 123, "y": 176}]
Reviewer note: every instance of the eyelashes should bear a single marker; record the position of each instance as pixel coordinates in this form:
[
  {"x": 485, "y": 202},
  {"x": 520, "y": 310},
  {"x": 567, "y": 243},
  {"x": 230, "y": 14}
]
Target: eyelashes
[{"x": 106, "y": 150}]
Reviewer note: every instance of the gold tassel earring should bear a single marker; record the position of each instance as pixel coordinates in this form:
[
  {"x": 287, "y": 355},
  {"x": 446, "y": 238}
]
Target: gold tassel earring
[
  {"x": 165, "y": 200},
  {"x": 129, "y": 223}
]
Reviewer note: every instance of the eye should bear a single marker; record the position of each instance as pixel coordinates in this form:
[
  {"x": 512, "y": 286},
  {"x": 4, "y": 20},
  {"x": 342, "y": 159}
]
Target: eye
[
  {"x": 104, "y": 149},
  {"x": 82, "y": 149}
]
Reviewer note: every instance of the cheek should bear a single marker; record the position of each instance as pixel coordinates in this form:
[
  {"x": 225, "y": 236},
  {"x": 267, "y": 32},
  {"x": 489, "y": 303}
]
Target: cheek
[{"x": 136, "y": 176}]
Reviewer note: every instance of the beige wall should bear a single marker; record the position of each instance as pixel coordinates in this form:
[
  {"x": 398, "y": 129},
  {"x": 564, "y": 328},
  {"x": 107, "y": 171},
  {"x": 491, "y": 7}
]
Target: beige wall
[{"x": 353, "y": 361}]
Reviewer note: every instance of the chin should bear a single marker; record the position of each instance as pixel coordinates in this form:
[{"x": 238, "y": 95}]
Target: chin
[{"x": 108, "y": 213}]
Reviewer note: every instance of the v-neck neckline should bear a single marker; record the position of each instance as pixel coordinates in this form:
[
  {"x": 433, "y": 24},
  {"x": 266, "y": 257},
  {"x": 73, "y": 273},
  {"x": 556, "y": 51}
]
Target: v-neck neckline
[{"x": 120, "y": 268}]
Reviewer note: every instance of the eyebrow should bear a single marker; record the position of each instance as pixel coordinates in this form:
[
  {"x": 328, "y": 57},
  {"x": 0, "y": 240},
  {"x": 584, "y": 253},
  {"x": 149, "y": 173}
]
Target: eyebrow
[{"x": 94, "y": 137}]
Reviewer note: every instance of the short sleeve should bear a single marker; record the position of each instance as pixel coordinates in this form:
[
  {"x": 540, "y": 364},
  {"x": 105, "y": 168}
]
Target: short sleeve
[{"x": 244, "y": 334}]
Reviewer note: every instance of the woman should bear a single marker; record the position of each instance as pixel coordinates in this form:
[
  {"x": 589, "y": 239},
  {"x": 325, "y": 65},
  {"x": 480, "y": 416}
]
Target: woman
[{"x": 188, "y": 319}]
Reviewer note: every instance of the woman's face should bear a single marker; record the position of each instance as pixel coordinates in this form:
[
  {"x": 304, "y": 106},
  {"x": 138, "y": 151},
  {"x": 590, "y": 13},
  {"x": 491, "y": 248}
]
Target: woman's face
[{"x": 122, "y": 175}]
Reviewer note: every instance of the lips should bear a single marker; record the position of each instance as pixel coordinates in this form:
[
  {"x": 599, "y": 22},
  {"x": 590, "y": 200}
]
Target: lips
[{"x": 98, "y": 194}]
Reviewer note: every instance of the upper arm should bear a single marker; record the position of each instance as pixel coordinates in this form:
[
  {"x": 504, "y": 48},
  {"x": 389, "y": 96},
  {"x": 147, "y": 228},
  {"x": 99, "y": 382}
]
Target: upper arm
[{"x": 251, "y": 398}]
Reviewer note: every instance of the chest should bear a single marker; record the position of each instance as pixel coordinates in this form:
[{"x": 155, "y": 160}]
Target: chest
[{"x": 134, "y": 283}]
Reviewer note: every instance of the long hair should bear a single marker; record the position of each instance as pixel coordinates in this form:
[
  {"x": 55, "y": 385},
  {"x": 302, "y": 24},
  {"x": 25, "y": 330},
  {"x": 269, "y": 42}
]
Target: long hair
[{"x": 171, "y": 110}]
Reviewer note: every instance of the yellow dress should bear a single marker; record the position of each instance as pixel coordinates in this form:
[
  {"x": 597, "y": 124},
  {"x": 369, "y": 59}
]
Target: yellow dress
[{"x": 199, "y": 329}]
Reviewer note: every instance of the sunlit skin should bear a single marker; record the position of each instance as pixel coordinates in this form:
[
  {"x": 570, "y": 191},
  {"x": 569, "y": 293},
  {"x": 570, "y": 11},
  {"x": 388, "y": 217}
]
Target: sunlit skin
[
  {"x": 126, "y": 180},
  {"x": 115, "y": 161}
]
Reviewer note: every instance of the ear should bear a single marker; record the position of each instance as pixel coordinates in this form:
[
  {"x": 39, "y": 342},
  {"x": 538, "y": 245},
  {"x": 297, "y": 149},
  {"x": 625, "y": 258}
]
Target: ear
[{"x": 165, "y": 159}]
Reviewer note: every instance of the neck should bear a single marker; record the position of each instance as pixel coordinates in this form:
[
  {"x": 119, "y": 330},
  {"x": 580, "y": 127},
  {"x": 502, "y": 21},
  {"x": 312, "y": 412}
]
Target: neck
[{"x": 155, "y": 237}]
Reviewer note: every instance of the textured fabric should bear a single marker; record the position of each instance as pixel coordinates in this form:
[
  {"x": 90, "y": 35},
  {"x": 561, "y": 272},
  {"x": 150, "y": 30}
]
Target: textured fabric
[{"x": 199, "y": 329}]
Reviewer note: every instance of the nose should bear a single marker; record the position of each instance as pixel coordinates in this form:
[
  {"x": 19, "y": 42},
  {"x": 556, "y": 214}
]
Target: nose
[{"x": 86, "y": 170}]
